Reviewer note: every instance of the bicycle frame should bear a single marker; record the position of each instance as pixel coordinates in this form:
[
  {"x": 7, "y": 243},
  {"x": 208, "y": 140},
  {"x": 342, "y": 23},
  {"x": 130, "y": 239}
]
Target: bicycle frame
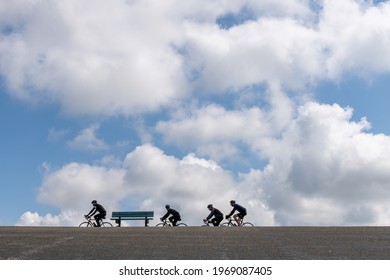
[
  {"x": 90, "y": 223},
  {"x": 232, "y": 223},
  {"x": 166, "y": 223}
]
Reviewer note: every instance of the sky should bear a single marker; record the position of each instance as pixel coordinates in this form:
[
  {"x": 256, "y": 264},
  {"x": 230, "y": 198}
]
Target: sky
[{"x": 279, "y": 105}]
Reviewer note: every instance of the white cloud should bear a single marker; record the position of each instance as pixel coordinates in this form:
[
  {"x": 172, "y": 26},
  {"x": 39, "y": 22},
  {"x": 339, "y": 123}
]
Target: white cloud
[
  {"x": 255, "y": 52},
  {"x": 356, "y": 36},
  {"x": 94, "y": 57},
  {"x": 72, "y": 188},
  {"x": 217, "y": 132},
  {"x": 149, "y": 180},
  {"x": 56, "y": 134},
  {"x": 328, "y": 170},
  {"x": 214, "y": 131},
  {"x": 325, "y": 170},
  {"x": 87, "y": 140},
  {"x": 70, "y": 185},
  {"x": 65, "y": 218}
]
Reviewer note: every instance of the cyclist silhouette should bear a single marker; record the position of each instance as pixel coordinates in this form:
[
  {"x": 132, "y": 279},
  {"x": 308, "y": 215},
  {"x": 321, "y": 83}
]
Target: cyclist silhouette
[
  {"x": 175, "y": 215},
  {"x": 240, "y": 215},
  {"x": 218, "y": 216},
  {"x": 101, "y": 212}
]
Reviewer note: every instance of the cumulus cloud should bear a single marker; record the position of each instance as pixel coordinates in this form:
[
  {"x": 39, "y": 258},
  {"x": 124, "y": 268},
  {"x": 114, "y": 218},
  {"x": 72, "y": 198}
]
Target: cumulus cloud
[
  {"x": 72, "y": 188},
  {"x": 98, "y": 58},
  {"x": 149, "y": 179},
  {"x": 329, "y": 170},
  {"x": 220, "y": 133},
  {"x": 94, "y": 57},
  {"x": 253, "y": 53},
  {"x": 325, "y": 170},
  {"x": 358, "y": 42},
  {"x": 213, "y": 130},
  {"x": 87, "y": 140},
  {"x": 34, "y": 219}
]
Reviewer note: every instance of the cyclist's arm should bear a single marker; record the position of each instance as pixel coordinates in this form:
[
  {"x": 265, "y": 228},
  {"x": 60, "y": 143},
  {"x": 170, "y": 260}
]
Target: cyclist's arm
[
  {"x": 93, "y": 211},
  {"x": 165, "y": 216},
  {"x": 231, "y": 213},
  {"x": 210, "y": 215}
]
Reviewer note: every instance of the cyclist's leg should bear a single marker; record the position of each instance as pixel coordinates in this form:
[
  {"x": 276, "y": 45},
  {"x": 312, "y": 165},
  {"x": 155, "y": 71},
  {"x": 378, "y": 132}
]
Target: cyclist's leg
[
  {"x": 173, "y": 220},
  {"x": 103, "y": 216},
  {"x": 241, "y": 216},
  {"x": 237, "y": 218},
  {"x": 98, "y": 218},
  {"x": 217, "y": 221}
]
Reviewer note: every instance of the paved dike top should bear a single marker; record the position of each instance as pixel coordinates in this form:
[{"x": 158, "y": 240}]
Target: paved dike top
[{"x": 195, "y": 243}]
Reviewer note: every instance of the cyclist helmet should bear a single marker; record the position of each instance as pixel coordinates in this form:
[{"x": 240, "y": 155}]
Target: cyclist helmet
[
  {"x": 94, "y": 201},
  {"x": 210, "y": 206},
  {"x": 167, "y": 206}
]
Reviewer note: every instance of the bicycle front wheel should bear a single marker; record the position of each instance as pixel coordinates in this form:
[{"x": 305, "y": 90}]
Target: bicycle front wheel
[
  {"x": 85, "y": 224},
  {"x": 161, "y": 225},
  {"x": 181, "y": 225},
  {"x": 247, "y": 224},
  {"x": 226, "y": 224},
  {"x": 106, "y": 224}
]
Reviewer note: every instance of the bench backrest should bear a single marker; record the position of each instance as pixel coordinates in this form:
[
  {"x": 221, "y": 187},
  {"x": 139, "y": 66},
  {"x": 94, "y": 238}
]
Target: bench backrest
[{"x": 133, "y": 214}]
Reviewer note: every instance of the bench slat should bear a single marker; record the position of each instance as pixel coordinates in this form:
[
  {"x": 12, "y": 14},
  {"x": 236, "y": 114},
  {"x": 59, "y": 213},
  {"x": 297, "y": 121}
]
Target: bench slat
[{"x": 132, "y": 215}]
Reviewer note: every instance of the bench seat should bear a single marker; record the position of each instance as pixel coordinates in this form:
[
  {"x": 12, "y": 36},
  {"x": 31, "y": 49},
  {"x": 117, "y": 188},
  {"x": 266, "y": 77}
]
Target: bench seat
[{"x": 119, "y": 216}]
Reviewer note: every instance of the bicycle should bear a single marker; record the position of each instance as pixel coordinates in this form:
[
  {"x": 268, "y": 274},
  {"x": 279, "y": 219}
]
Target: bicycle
[
  {"x": 90, "y": 223},
  {"x": 166, "y": 223},
  {"x": 232, "y": 223},
  {"x": 208, "y": 224}
]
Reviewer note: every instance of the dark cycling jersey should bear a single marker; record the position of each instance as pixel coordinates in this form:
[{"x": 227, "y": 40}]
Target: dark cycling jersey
[
  {"x": 239, "y": 208},
  {"x": 215, "y": 212},
  {"x": 97, "y": 208},
  {"x": 172, "y": 212}
]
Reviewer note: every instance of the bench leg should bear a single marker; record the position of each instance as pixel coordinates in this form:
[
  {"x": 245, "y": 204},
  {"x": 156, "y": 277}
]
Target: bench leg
[
  {"x": 118, "y": 221},
  {"x": 146, "y": 222}
]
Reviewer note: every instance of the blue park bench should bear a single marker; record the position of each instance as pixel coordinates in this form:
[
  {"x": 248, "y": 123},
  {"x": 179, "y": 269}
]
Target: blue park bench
[{"x": 119, "y": 216}]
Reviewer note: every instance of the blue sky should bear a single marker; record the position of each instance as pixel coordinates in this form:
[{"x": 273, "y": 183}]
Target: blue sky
[
  {"x": 279, "y": 105},
  {"x": 368, "y": 98}
]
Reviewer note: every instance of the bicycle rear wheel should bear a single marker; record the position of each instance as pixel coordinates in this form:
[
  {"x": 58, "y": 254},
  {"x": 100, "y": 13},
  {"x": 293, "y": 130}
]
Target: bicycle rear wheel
[
  {"x": 106, "y": 224},
  {"x": 85, "y": 224},
  {"x": 181, "y": 225},
  {"x": 226, "y": 224},
  {"x": 247, "y": 224}
]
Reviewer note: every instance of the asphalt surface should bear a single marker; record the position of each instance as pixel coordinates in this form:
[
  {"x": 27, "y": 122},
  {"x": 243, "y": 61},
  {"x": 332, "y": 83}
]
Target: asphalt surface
[{"x": 195, "y": 243}]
